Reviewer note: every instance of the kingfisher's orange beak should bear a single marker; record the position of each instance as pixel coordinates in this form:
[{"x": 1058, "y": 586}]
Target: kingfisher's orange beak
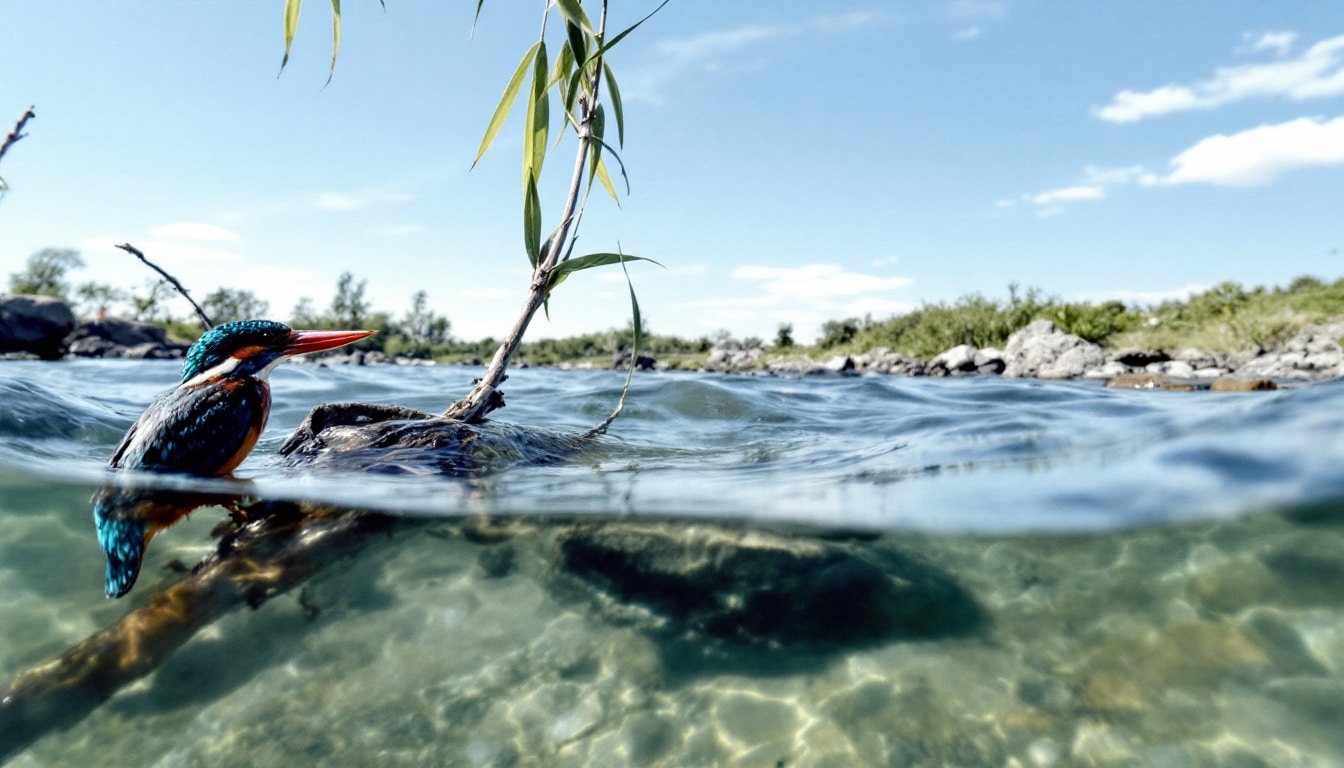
[{"x": 302, "y": 342}]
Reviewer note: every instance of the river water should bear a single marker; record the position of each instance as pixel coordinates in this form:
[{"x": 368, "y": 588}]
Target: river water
[{"x": 748, "y": 571}]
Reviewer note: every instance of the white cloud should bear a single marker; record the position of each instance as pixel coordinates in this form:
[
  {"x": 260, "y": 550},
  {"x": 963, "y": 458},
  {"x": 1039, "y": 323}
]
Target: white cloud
[
  {"x": 192, "y": 231},
  {"x": 816, "y": 281},
  {"x": 1069, "y": 194},
  {"x": 1317, "y": 73},
  {"x": 805, "y": 296},
  {"x": 969, "y": 33},
  {"x": 1259, "y": 155},
  {"x": 1278, "y": 42},
  {"x": 710, "y": 51}
]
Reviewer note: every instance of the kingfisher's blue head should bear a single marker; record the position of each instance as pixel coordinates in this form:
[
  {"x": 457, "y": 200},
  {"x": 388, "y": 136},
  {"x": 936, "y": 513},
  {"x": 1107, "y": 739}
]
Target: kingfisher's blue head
[{"x": 252, "y": 347}]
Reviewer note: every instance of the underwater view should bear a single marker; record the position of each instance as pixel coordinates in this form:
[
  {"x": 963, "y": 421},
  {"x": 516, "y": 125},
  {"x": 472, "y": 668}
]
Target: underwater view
[{"x": 746, "y": 571}]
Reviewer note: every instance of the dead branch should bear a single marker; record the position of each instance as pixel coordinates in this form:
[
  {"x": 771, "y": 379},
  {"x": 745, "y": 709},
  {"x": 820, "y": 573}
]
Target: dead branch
[
  {"x": 205, "y": 319},
  {"x": 17, "y": 134},
  {"x": 266, "y": 558}
]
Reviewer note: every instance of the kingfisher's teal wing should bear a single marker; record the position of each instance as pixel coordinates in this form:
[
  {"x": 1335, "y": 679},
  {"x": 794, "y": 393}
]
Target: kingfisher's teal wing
[{"x": 196, "y": 430}]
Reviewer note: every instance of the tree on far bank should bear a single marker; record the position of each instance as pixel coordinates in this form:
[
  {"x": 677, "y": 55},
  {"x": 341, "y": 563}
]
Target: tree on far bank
[
  {"x": 349, "y": 308},
  {"x": 44, "y": 275},
  {"x": 422, "y": 324},
  {"x": 227, "y": 304}
]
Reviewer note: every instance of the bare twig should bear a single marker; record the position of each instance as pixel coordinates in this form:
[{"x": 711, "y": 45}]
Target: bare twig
[
  {"x": 205, "y": 319},
  {"x": 17, "y": 133},
  {"x": 483, "y": 397}
]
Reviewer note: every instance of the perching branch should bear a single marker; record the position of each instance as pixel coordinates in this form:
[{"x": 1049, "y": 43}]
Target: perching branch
[
  {"x": 483, "y": 397},
  {"x": 17, "y": 133},
  {"x": 266, "y": 558},
  {"x": 205, "y": 319}
]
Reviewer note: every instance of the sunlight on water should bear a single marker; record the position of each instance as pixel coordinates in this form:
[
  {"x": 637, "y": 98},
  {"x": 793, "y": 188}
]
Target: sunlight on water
[{"x": 750, "y": 571}]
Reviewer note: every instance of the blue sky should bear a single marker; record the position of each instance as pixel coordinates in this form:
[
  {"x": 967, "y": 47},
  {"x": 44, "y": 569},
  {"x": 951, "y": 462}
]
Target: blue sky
[{"x": 789, "y": 162}]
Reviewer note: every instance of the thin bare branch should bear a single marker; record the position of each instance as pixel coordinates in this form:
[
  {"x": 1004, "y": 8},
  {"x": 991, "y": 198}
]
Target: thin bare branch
[
  {"x": 483, "y": 397},
  {"x": 205, "y": 319},
  {"x": 17, "y": 134}
]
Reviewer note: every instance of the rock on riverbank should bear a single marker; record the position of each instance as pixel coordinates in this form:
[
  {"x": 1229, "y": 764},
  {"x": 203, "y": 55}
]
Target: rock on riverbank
[
  {"x": 1042, "y": 350},
  {"x": 35, "y": 325}
]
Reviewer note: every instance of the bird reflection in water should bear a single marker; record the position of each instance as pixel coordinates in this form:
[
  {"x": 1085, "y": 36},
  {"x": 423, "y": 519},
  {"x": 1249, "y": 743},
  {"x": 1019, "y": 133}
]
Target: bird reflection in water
[{"x": 205, "y": 427}]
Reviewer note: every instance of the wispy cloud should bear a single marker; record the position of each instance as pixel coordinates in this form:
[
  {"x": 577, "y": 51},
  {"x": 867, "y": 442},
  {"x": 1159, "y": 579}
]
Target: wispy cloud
[
  {"x": 712, "y": 51},
  {"x": 1259, "y": 155},
  {"x": 805, "y": 296},
  {"x": 1250, "y": 158},
  {"x": 1278, "y": 42},
  {"x": 816, "y": 281},
  {"x": 1068, "y": 194},
  {"x": 1317, "y": 73},
  {"x": 1095, "y": 184},
  {"x": 969, "y": 33}
]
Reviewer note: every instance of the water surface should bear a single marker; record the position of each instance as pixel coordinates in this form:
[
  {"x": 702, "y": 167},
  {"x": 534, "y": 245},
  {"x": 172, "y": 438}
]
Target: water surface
[{"x": 1019, "y": 572}]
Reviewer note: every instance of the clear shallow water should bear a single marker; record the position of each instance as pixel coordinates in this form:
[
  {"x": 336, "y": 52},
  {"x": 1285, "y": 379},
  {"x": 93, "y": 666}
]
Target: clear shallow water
[{"x": 1103, "y": 577}]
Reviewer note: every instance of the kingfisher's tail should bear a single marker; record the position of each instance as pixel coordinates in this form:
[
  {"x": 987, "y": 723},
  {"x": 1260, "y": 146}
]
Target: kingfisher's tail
[{"x": 123, "y": 540}]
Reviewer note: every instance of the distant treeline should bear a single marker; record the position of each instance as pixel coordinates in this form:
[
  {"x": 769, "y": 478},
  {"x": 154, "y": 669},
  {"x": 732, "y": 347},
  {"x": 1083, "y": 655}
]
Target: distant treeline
[{"x": 1226, "y": 317}]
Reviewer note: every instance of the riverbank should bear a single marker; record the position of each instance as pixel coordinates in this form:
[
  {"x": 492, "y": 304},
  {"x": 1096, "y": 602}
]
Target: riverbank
[{"x": 1246, "y": 338}]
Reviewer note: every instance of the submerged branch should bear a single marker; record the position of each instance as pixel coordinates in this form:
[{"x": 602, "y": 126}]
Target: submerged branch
[
  {"x": 17, "y": 133},
  {"x": 266, "y": 558},
  {"x": 205, "y": 319},
  {"x": 484, "y": 396}
]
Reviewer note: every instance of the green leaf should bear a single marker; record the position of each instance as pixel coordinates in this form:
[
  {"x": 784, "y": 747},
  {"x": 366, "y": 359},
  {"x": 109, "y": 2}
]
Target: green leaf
[
  {"x": 579, "y": 263},
  {"x": 577, "y": 42},
  {"x": 335, "y": 37},
  {"x": 506, "y": 102},
  {"x": 538, "y": 119},
  {"x": 619, "y": 164},
  {"x": 291, "y": 24},
  {"x": 601, "y": 173},
  {"x": 564, "y": 62},
  {"x": 615, "y": 104},
  {"x": 474, "y": 19},
  {"x": 573, "y": 12},
  {"x": 532, "y": 222}
]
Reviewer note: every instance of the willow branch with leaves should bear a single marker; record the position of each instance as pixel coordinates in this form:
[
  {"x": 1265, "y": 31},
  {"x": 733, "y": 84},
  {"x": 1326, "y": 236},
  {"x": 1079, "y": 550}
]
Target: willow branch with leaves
[{"x": 576, "y": 77}]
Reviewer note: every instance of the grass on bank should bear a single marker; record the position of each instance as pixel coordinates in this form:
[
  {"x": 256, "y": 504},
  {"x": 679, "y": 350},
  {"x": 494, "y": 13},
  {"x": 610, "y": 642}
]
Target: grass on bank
[{"x": 1225, "y": 318}]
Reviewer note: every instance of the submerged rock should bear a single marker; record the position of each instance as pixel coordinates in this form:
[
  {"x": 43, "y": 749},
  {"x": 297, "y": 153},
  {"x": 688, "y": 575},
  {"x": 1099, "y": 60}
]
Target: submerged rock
[
  {"x": 36, "y": 324},
  {"x": 754, "y": 587},
  {"x": 1242, "y": 384}
]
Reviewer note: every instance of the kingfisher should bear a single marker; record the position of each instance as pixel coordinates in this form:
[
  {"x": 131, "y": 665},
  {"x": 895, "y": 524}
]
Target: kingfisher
[{"x": 206, "y": 426}]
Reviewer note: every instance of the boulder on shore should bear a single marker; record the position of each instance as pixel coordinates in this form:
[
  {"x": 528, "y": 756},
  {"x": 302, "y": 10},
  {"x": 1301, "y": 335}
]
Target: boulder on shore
[
  {"x": 114, "y": 337},
  {"x": 1042, "y": 350},
  {"x": 36, "y": 324}
]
